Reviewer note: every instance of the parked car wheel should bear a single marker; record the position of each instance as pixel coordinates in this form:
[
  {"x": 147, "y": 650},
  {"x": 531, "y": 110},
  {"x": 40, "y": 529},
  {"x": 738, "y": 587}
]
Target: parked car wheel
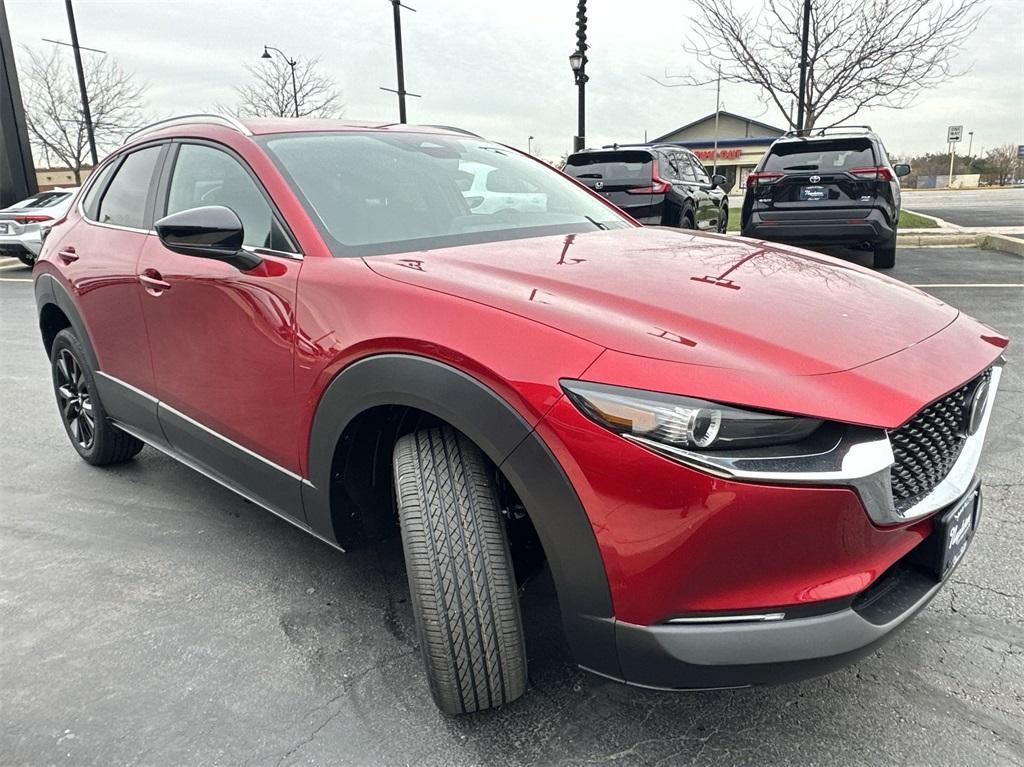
[
  {"x": 97, "y": 440},
  {"x": 687, "y": 222},
  {"x": 27, "y": 259},
  {"x": 463, "y": 588},
  {"x": 885, "y": 255},
  {"x": 723, "y": 220}
]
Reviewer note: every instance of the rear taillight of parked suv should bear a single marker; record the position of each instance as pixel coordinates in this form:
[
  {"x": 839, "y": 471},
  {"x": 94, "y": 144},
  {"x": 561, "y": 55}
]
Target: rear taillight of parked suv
[
  {"x": 880, "y": 173},
  {"x": 764, "y": 178}
]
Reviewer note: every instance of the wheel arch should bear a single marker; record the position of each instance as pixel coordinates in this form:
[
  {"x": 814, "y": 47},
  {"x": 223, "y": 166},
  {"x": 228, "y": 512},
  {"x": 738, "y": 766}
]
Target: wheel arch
[
  {"x": 57, "y": 311},
  {"x": 510, "y": 442}
]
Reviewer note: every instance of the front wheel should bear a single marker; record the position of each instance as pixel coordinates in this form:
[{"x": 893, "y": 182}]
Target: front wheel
[
  {"x": 95, "y": 438},
  {"x": 723, "y": 220},
  {"x": 464, "y": 597},
  {"x": 27, "y": 259}
]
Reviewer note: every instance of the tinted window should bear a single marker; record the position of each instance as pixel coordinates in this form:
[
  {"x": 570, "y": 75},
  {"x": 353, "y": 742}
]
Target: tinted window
[
  {"x": 610, "y": 166},
  {"x": 685, "y": 169},
  {"x": 380, "y": 192},
  {"x": 124, "y": 203},
  {"x": 92, "y": 197},
  {"x": 699, "y": 171},
  {"x": 42, "y": 200},
  {"x": 207, "y": 176},
  {"x": 837, "y": 154}
]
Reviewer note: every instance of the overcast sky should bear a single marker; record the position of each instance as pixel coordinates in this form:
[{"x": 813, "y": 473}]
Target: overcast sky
[{"x": 499, "y": 68}]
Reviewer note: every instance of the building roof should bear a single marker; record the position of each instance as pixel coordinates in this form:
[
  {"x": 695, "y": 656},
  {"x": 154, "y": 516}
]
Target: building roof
[{"x": 722, "y": 113}]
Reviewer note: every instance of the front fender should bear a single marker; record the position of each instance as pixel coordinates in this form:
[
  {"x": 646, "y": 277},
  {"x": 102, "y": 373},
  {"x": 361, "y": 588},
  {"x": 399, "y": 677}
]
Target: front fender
[{"x": 511, "y": 444}]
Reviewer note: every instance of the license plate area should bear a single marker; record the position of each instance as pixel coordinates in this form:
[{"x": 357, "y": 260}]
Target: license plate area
[
  {"x": 813, "y": 193},
  {"x": 954, "y": 531}
]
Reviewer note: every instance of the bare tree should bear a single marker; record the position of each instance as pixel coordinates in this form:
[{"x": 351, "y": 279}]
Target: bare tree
[
  {"x": 53, "y": 106},
  {"x": 861, "y": 53},
  {"x": 270, "y": 93},
  {"x": 1003, "y": 165}
]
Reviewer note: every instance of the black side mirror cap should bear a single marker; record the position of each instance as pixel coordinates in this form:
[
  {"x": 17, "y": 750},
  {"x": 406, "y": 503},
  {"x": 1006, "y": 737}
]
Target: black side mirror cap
[
  {"x": 901, "y": 169},
  {"x": 718, "y": 180},
  {"x": 212, "y": 231}
]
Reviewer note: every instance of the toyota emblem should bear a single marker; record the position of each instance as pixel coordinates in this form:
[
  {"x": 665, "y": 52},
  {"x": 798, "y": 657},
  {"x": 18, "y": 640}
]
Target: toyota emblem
[
  {"x": 599, "y": 185},
  {"x": 815, "y": 179}
]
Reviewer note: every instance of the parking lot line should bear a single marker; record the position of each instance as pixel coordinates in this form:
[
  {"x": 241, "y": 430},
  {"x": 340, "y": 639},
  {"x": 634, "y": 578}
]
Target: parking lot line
[
  {"x": 968, "y": 285},
  {"x": 15, "y": 279}
]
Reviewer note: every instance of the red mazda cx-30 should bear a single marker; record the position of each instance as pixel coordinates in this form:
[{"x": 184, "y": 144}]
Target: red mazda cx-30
[{"x": 743, "y": 462}]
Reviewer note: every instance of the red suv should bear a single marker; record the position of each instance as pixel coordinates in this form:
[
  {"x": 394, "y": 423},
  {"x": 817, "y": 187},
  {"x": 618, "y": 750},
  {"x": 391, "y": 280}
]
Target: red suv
[{"x": 732, "y": 475}]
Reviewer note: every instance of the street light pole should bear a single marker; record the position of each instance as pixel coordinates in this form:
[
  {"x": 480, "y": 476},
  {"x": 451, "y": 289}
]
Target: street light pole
[
  {"x": 803, "y": 66},
  {"x": 970, "y": 146},
  {"x": 290, "y": 62},
  {"x": 578, "y": 62},
  {"x": 86, "y": 114},
  {"x": 529, "y": 145}
]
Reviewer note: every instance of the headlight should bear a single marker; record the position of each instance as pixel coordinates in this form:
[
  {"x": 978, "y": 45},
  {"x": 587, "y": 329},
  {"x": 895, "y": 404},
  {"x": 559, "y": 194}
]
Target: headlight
[{"x": 692, "y": 424}]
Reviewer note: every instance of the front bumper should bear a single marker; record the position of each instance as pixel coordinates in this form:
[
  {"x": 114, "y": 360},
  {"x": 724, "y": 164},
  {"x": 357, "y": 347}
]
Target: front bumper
[
  {"x": 824, "y": 227},
  {"x": 758, "y": 652}
]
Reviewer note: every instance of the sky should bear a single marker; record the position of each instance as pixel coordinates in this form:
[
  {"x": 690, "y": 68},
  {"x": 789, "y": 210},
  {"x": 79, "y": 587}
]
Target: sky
[{"x": 501, "y": 68}]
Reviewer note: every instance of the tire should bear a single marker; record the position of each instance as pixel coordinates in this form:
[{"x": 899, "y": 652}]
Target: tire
[
  {"x": 463, "y": 588},
  {"x": 85, "y": 421},
  {"x": 687, "y": 222},
  {"x": 885, "y": 254},
  {"x": 723, "y": 219},
  {"x": 27, "y": 260}
]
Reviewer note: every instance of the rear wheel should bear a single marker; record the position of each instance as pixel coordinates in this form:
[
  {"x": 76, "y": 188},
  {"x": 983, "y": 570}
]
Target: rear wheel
[
  {"x": 461, "y": 580},
  {"x": 27, "y": 259},
  {"x": 885, "y": 254},
  {"x": 97, "y": 440}
]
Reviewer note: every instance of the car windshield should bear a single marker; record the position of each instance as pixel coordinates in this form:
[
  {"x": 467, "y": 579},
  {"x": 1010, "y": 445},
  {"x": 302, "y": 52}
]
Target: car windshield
[
  {"x": 834, "y": 155},
  {"x": 379, "y": 192}
]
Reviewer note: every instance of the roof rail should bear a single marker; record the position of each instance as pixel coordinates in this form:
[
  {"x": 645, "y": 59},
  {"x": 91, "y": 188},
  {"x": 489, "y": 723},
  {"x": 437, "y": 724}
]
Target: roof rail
[
  {"x": 463, "y": 131},
  {"x": 203, "y": 119},
  {"x": 821, "y": 131}
]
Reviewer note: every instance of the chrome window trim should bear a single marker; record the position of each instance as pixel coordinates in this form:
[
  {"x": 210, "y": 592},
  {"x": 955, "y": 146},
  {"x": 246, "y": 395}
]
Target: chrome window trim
[
  {"x": 860, "y": 459},
  {"x": 271, "y": 252},
  {"x": 225, "y": 121}
]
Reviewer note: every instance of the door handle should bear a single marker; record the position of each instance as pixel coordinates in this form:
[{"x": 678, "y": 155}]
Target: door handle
[
  {"x": 67, "y": 255},
  {"x": 153, "y": 282}
]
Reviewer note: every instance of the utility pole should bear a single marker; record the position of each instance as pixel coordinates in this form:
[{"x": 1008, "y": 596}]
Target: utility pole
[
  {"x": 718, "y": 108},
  {"x": 803, "y": 66},
  {"x": 396, "y": 7},
  {"x": 970, "y": 146},
  {"x": 86, "y": 114}
]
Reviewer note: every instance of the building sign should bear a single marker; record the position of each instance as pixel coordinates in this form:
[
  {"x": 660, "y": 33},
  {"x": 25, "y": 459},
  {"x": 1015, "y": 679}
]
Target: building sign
[
  {"x": 723, "y": 154},
  {"x": 954, "y": 133}
]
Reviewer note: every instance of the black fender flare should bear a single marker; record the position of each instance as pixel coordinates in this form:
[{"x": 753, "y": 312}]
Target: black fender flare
[
  {"x": 511, "y": 443},
  {"x": 48, "y": 290}
]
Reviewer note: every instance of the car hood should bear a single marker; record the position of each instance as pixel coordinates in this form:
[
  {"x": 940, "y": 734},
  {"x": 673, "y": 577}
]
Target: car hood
[{"x": 688, "y": 297}]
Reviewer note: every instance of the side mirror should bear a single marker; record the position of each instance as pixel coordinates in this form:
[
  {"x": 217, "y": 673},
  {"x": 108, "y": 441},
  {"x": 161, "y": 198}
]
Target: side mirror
[
  {"x": 901, "y": 169},
  {"x": 212, "y": 231},
  {"x": 718, "y": 180}
]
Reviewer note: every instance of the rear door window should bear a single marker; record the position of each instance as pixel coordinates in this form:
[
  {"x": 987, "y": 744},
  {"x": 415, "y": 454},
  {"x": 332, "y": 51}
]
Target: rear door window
[
  {"x": 124, "y": 202},
  {"x": 822, "y": 156},
  {"x": 611, "y": 167},
  {"x": 699, "y": 171}
]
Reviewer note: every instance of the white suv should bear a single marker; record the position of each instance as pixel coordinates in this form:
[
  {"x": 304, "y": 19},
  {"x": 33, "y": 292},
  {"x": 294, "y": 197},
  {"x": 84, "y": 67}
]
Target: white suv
[{"x": 23, "y": 225}]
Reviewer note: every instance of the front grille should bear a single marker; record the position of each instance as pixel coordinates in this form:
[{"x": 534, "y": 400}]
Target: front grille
[{"x": 926, "y": 447}]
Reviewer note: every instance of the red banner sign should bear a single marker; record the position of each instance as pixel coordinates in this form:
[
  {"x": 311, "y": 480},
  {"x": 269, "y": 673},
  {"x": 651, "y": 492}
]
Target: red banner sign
[{"x": 723, "y": 154}]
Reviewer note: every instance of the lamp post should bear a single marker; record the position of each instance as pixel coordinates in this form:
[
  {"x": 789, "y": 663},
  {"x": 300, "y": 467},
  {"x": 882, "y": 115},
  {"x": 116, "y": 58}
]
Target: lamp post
[
  {"x": 578, "y": 62},
  {"x": 529, "y": 145},
  {"x": 290, "y": 62}
]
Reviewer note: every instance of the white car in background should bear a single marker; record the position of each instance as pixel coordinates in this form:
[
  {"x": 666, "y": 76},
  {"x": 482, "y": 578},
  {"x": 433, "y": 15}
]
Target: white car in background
[
  {"x": 490, "y": 190},
  {"x": 24, "y": 224}
]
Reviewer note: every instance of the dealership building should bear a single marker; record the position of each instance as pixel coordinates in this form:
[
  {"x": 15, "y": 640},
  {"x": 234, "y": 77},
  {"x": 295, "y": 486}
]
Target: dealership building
[{"x": 742, "y": 143}]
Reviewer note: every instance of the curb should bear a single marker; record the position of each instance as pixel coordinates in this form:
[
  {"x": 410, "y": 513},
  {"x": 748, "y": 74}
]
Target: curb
[{"x": 1000, "y": 242}]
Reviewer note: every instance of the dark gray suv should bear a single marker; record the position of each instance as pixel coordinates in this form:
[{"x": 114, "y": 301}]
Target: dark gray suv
[{"x": 836, "y": 187}]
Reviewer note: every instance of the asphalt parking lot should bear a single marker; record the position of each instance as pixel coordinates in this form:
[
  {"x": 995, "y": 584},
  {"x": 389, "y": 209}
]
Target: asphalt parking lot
[
  {"x": 147, "y": 616},
  {"x": 970, "y": 207}
]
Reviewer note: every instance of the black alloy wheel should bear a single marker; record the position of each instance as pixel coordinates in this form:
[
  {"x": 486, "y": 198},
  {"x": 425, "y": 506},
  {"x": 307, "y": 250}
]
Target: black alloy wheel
[{"x": 75, "y": 399}]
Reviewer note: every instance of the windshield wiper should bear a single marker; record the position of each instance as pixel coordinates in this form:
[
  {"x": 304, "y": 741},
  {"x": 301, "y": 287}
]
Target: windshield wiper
[{"x": 598, "y": 224}]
